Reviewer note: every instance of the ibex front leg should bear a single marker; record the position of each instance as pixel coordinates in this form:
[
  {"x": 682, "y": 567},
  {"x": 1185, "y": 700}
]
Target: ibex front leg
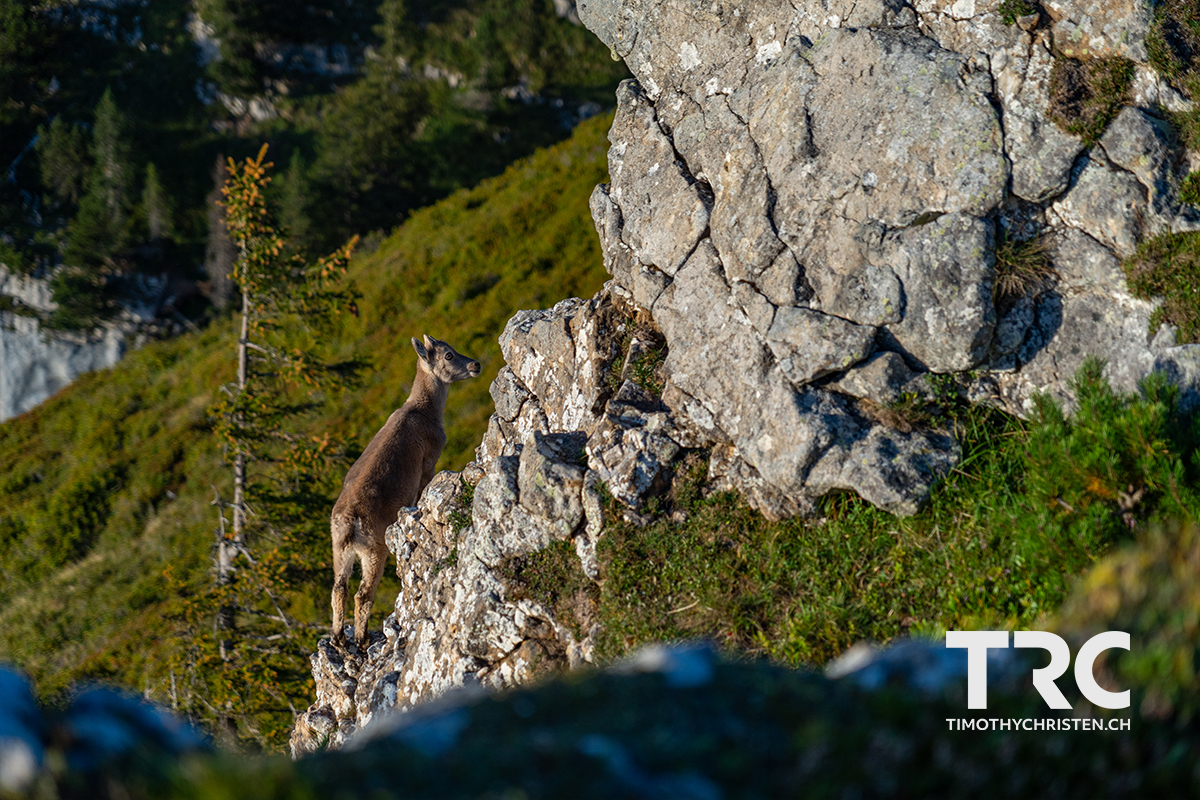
[{"x": 342, "y": 530}]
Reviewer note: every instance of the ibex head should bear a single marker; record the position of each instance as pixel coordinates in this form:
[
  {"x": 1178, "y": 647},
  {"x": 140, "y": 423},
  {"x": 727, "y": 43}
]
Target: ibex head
[{"x": 444, "y": 362}]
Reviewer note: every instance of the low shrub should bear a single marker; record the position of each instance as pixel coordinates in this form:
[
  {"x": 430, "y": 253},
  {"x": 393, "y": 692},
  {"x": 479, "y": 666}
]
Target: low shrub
[
  {"x": 1151, "y": 591},
  {"x": 1167, "y": 267},
  {"x": 1189, "y": 190},
  {"x": 1086, "y": 95},
  {"x": 1173, "y": 43},
  {"x": 1012, "y": 10}
]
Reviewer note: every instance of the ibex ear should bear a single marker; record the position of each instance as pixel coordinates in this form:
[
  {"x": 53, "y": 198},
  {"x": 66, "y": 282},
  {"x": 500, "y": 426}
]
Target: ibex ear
[
  {"x": 429, "y": 343},
  {"x": 422, "y": 353}
]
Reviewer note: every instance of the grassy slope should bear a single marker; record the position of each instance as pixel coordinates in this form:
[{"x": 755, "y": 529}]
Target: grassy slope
[{"x": 106, "y": 486}]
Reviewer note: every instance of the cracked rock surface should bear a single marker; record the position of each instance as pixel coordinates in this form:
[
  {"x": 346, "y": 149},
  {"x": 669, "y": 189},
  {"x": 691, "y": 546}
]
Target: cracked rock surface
[{"x": 857, "y": 165}]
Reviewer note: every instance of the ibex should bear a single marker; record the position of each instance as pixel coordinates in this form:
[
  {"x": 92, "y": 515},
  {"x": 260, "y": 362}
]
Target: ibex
[{"x": 389, "y": 475}]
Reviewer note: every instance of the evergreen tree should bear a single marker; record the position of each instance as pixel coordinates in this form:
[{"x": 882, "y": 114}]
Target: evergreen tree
[
  {"x": 246, "y": 656},
  {"x": 293, "y": 205},
  {"x": 113, "y": 171},
  {"x": 24, "y": 38},
  {"x": 156, "y": 206},
  {"x": 63, "y": 155},
  {"x": 101, "y": 227}
]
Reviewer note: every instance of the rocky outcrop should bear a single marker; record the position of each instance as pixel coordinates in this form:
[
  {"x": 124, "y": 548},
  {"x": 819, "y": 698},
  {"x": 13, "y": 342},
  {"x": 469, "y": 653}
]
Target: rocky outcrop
[
  {"x": 799, "y": 188},
  {"x": 807, "y": 207}
]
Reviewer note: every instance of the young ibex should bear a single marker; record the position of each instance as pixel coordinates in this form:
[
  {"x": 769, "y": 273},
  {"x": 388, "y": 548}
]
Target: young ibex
[{"x": 389, "y": 475}]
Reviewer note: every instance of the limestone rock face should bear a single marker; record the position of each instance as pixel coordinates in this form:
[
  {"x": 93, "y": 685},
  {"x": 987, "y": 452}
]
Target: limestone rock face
[
  {"x": 36, "y": 362},
  {"x": 840, "y": 177}
]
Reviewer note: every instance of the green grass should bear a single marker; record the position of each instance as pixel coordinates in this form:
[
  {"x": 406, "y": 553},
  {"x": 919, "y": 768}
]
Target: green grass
[
  {"x": 1087, "y": 95},
  {"x": 1030, "y": 508},
  {"x": 1189, "y": 189},
  {"x": 1173, "y": 42},
  {"x": 1167, "y": 268},
  {"x": 1011, "y": 10},
  {"x": 107, "y": 522}
]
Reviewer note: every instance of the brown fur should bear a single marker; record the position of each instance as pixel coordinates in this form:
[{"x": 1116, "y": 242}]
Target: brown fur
[{"x": 390, "y": 475}]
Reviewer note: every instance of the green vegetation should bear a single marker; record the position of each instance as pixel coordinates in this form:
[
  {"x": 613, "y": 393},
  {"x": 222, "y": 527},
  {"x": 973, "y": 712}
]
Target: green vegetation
[
  {"x": 377, "y": 108},
  {"x": 1173, "y": 46},
  {"x": 1173, "y": 42},
  {"x": 1086, "y": 95},
  {"x": 244, "y": 662},
  {"x": 125, "y": 463},
  {"x": 1022, "y": 267},
  {"x": 645, "y": 368},
  {"x": 744, "y": 728},
  {"x": 1153, "y": 591},
  {"x": 1167, "y": 268},
  {"x": 1012, "y": 10},
  {"x": 1028, "y": 510},
  {"x": 1189, "y": 189}
]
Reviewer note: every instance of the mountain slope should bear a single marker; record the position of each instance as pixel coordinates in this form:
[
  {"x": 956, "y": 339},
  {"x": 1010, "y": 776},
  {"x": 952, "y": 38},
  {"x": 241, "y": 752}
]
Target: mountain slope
[{"x": 106, "y": 521}]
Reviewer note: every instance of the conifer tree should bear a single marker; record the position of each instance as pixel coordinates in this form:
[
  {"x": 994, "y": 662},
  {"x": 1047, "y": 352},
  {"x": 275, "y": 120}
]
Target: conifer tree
[
  {"x": 101, "y": 226},
  {"x": 246, "y": 657},
  {"x": 156, "y": 206},
  {"x": 293, "y": 205},
  {"x": 63, "y": 154}
]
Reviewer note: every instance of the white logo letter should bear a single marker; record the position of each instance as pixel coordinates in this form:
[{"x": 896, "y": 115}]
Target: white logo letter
[
  {"x": 1083, "y": 669},
  {"x": 977, "y": 644},
  {"x": 1060, "y": 659}
]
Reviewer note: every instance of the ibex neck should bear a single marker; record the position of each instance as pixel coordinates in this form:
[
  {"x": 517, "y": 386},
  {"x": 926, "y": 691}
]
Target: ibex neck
[{"x": 428, "y": 393}]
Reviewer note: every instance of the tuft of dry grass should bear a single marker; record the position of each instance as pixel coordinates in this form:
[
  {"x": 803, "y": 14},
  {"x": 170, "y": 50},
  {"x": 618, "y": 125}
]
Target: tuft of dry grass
[{"x": 1022, "y": 267}]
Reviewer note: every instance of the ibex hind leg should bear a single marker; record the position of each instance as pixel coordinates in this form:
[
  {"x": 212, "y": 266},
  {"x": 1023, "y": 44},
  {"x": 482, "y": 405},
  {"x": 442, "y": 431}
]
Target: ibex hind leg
[
  {"x": 343, "y": 530},
  {"x": 374, "y": 561}
]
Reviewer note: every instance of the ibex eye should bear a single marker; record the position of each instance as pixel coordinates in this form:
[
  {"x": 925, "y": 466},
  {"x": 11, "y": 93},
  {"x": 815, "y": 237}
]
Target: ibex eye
[{"x": 449, "y": 356}]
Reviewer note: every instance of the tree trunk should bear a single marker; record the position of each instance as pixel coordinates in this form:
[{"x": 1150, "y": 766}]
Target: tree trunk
[{"x": 232, "y": 542}]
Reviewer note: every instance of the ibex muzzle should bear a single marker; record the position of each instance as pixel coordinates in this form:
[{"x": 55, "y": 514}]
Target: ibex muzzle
[{"x": 389, "y": 475}]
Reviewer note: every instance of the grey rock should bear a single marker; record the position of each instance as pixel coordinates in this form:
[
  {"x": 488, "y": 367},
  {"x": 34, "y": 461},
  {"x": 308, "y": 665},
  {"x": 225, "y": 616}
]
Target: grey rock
[
  {"x": 810, "y": 344},
  {"x": 1069, "y": 329},
  {"x": 648, "y": 284},
  {"x": 1105, "y": 204},
  {"x": 663, "y": 212},
  {"x": 36, "y": 363},
  {"x": 509, "y": 394},
  {"x": 891, "y": 470},
  {"x": 1042, "y": 155},
  {"x": 1083, "y": 264},
  {"x": 551, "y": 480},
  {"x": 632, "y": 447},
  {"x": 882, "y": 379},
  {"x": 758, "y": 309},
  {"x": 783, "y": 282},
  {"x": 946, "y": 270},
  {"x": 1142, "y": 145},
  {"x": 727, "y": 471},
  {"x": 618, "y": 257},
  {"x": 1088, "y": 28},
  {"x": 1011, "y": 327}
]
